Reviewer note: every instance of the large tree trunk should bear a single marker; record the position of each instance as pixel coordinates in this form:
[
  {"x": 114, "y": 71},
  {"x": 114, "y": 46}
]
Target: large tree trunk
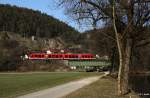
[
  {"x": 124, "y": 67},
  {"x": 124, "y": 49},
  {"x": 126, "y": 46}
]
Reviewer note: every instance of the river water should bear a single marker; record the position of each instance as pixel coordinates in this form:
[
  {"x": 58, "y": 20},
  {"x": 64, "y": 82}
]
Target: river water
[{"x": 141, "y": 85}]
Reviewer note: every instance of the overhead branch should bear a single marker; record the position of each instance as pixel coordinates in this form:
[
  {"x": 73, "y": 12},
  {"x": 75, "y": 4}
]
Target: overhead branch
[{"x": 143, "y": 43}]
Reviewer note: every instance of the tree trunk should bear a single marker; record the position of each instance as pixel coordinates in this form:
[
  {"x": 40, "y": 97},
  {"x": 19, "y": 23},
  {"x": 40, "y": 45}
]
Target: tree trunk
[
  {"x": 124, "y": 67},
  {"x": 124, "y": 50}
]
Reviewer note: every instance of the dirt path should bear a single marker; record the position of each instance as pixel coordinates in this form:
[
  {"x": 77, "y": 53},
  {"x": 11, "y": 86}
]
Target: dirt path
[{"x": 62, "y": 90}]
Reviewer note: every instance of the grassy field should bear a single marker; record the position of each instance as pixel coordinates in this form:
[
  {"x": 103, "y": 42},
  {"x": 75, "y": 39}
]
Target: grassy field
[
  {"x": 104, "y": 88},
  {"x": 14, "y": 84}
]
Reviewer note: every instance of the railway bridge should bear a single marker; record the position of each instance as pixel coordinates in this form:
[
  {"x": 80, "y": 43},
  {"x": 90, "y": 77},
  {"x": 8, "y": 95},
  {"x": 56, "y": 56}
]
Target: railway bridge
[{"x": 89, "y": 65}]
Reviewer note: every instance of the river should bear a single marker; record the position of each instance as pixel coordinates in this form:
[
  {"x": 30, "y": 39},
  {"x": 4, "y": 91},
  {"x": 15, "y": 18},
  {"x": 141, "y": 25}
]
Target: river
[{"x": 141, "y": 85}]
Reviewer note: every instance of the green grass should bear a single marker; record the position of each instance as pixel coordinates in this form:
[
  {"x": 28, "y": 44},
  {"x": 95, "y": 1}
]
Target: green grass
[
  {"x": 12, "y": 85},
  {"x": 103, "y": 88}
]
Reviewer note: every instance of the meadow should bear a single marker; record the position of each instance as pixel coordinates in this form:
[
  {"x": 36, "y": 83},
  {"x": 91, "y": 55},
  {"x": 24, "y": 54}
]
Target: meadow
[{"x": 16, "y": 84}]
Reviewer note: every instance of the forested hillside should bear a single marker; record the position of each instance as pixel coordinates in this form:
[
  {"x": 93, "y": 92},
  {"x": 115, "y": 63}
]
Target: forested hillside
[
  {"x": 28, "y": 22},
  {"x": 17, "y": 25}
]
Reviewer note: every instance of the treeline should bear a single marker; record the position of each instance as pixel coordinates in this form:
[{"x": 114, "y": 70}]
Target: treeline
[{"x": 28, "y": 22}]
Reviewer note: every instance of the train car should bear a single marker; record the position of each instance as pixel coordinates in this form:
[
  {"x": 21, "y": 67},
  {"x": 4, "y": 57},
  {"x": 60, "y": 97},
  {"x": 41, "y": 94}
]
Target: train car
[
  {"x": 87, "y": 56},
  {"x": 70, "y": 56},
  {"x": 37, "y": 56},
  {"x": 55, "y": 56},
  {"x": 63, "y": 56},
  {"x": 43, "y": 56}
]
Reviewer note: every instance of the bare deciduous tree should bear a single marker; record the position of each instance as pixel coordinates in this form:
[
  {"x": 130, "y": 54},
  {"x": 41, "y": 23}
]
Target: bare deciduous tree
[{"x": 125, "y": 15}]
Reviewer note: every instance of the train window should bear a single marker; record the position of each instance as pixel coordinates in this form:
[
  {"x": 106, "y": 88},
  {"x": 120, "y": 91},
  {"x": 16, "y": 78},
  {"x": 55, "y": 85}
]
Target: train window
[
  {"x": 39, "y": 56},
  {"x": 60, "y": 56},
  {"x": 35, "y": 55},
  {"x": 53, "y": 56},
  {"x": 49, "y": 56},
  {"x": 42, "y": 55},
  {"x": 56, "y": 56},
  {"x": 66, "y": 56},
  {"x": 73, "y": 56},
  {"x": 70, "y": 56}
]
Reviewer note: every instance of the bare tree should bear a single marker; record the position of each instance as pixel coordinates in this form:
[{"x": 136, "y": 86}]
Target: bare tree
[{"x": 125, "y": 15}]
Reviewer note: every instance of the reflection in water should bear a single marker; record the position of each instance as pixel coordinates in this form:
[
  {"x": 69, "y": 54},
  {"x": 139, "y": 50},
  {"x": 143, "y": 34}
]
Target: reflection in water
[{"x": 141, "y": 85}]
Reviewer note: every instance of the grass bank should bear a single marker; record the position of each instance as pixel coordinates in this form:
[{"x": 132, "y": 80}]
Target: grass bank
[
  {"x": 15, "y": 84},
  {"x": 103, "y": 88}
]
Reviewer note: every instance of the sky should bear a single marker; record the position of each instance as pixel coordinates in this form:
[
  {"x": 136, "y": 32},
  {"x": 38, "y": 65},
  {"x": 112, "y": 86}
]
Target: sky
[{"x": 45, "y": 6}]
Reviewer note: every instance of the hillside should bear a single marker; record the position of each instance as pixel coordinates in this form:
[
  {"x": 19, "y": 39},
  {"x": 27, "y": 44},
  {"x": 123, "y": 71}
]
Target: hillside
[
  {"x": 13, "y": 46},
  {"x": 96, "y": 41},
  {"x": 23, "y": 30},
  {"x": 28, "y": 22}
]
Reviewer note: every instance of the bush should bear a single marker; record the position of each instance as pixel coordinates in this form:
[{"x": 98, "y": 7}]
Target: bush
[{"x": 10, "y": 52}]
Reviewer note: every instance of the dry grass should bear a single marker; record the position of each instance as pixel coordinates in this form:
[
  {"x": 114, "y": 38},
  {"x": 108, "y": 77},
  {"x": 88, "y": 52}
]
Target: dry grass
[{"x": 104, "y": 88}]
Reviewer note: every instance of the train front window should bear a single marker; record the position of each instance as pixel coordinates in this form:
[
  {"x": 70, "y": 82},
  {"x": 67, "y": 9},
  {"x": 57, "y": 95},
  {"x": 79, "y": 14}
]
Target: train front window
[{"x": 32, "y": 56}]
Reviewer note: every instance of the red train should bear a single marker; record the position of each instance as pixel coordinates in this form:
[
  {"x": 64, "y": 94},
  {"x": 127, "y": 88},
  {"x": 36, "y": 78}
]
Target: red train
[{"x": 38, "y": 56}]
